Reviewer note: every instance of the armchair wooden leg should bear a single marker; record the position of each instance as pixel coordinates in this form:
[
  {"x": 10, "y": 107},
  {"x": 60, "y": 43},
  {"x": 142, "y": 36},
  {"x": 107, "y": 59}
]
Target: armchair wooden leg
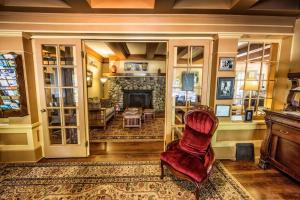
[
  {"x": 161, "y": 170},
  {"x": 197, "y": 192}
]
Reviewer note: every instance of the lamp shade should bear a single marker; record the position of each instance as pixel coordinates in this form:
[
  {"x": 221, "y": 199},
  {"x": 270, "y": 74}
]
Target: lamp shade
[{"x": 103, "y": 79}]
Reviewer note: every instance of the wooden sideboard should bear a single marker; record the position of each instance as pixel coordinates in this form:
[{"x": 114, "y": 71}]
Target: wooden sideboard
[{"x": 281, "y": 146}]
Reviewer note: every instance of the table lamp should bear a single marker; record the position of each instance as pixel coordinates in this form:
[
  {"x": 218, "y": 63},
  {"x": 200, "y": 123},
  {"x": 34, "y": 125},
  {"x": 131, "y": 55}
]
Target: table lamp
[{"x": 250, "y": 85}]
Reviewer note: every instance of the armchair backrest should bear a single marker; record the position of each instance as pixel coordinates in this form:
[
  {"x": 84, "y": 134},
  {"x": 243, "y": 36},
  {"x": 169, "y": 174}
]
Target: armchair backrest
[{"x": 200, "y": 125}]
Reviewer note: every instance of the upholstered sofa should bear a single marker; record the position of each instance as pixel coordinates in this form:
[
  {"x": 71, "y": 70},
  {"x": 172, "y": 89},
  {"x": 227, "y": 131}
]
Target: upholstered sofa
[{"x": 100, "y": 112}]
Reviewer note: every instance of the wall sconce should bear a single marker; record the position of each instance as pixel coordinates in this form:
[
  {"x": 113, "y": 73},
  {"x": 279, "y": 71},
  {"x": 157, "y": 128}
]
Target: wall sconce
[
  {"x": 89, "y": 78},
  {"x": 103, "y": 79}
]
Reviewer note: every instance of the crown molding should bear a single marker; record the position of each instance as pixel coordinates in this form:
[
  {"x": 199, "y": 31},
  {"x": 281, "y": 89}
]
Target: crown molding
[
  {"x": 15, "y": 34},
  {"x": 228, "y": 36}
]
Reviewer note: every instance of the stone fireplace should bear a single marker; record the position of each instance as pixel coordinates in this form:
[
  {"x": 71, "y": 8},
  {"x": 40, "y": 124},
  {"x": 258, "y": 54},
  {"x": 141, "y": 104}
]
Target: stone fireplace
[{"x": 143, "y": 91}]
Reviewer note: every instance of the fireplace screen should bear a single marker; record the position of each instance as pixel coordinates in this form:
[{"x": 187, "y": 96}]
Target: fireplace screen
[{"x": 137, "y": 98}]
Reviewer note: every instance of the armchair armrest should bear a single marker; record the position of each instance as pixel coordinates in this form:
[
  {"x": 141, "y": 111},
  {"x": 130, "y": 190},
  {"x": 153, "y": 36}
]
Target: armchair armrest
[{"x": 209, "y": 159}]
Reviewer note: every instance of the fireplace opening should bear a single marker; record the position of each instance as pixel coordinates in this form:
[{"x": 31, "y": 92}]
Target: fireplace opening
[{"x": 137, "y": 98}]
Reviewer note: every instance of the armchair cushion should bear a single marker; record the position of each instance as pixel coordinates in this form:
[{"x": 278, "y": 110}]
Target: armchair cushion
[
  {"x": 106, "y": 103},
  {"x": 184, "y": 162},
  {"x": 197, "y": 133}
]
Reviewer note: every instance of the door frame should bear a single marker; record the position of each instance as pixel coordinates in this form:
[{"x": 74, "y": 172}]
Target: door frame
[
  {"x": 68, "y": 150},
  {"x": 142, "y": 38},
  {"x": 84, "y": 64},
  {"x": 207, "y": 62}
]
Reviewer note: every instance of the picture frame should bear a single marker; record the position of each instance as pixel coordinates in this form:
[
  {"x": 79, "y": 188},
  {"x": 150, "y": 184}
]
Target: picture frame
[
  {"x": 135, "y": 66},
  {"x": 223, "y": 110},
  {"x": 89, "y": 78},
  {"x": 225, "y": 87},
  {"x": 236, "y": 118},
  {"x": 248, "y": 115},
  {"x": 226, "y": 63}
]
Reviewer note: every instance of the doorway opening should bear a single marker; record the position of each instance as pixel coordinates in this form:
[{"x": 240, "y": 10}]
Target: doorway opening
[{"x": 126, "y": 93}]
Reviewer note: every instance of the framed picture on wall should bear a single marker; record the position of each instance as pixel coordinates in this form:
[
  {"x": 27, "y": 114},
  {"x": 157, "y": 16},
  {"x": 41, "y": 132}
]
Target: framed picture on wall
[
  {"x": 226, "y": 64},
  {"x": 223, "y": 110},
  {"x": 225, "y": 87},
  {"x": 135, "y": 67}
]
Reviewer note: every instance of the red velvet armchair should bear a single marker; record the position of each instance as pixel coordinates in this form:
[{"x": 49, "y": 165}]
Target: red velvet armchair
[{"x": 191, "y": 158}]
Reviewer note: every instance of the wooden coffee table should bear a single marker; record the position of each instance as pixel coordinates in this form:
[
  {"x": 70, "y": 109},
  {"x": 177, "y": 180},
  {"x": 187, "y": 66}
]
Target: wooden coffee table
[{"x": 132, "y": 118}]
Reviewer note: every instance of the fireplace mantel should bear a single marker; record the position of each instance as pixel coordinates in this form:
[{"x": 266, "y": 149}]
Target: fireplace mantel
[{"x": 111, "y": 75}]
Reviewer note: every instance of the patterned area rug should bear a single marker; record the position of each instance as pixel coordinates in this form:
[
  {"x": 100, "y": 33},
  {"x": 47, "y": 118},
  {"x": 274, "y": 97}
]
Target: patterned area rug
[
  {"x": 151, "y": 130},
  {"x": 107, "y": 181}
]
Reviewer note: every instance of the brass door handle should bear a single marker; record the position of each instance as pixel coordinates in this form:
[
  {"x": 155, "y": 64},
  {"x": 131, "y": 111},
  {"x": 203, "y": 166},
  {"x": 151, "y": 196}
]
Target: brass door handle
[{"x": 43, "y": 110}]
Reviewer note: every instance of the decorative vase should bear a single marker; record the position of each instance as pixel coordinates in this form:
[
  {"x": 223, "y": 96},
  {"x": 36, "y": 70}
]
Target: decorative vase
[
  {"x": 159, "y": 71},
  {"x": 113, "y": 69}
]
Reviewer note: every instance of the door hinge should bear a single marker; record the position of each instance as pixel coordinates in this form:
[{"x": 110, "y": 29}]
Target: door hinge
[
  {"x": 82, "y": 54},
  {"x": 86, "y": 143}
]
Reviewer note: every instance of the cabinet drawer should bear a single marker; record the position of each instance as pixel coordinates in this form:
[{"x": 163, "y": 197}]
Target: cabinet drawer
[{"x": 287, "y": 133}]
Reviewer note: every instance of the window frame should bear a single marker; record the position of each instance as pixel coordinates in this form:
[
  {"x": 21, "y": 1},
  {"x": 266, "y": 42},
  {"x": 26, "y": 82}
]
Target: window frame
[{"x": 260, "y": 80}]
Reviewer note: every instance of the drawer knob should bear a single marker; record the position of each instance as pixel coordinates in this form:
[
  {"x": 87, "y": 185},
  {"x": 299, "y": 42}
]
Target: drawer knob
[{"x": 283, "y": 132}]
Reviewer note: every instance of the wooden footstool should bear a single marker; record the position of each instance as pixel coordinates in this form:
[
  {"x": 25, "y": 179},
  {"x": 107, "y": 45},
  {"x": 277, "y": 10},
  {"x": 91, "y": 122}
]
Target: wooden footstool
[
  {"x": 149, "y": 113},
  {"x": 132, "y": 119}
]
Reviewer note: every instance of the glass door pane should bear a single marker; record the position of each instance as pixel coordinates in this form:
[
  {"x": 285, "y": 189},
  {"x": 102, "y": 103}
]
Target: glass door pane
[
  {"x": 181, "y": 55},
  {"x": 197, "y": 55},
  {"x": 61, "y": 93},
  {"x": 187, "y": 81}
]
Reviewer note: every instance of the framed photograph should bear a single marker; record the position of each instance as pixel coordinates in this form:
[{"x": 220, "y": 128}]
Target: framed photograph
[
  {"x": 223, "y": 110},
  {"x": 225, "y": 87},
  {"x": 248, "y": 115},
  {"x": 237, "y": 118},
  {"x": 226, "y": 64},
  {"x": 135, "y": 67}
]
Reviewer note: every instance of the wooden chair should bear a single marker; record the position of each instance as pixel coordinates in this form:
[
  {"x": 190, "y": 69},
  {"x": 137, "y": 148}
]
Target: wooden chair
[{"x": 192, "y": 157}]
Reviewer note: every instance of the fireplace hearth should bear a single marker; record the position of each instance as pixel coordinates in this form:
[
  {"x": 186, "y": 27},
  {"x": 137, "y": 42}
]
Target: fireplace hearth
[{"x": 137, "y": 98}]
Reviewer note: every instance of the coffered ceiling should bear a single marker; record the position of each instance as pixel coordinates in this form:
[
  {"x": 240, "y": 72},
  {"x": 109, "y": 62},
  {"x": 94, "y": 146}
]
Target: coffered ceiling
[
  {"x": 244, "y": 7},
  {"x": 129, "y": 50}
]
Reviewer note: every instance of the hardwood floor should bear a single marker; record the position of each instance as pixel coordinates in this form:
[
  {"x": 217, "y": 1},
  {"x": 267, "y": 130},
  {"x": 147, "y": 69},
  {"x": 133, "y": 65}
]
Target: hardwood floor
[
  {"x": 267, "y": 184},
  {"x": 122, "y": 151}
]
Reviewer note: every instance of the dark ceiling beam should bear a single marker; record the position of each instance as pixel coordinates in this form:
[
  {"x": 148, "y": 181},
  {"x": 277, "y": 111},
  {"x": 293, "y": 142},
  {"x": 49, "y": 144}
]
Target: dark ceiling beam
[
  {"x": 118, "y": 49},
  {"x": 78, "y": 5},
  {"x": 198, "y": 57},
  {"x": 151, "y": 48},
  {"x": 242, "y": 5},
  {"x": 125, "y": 49},
  {"x": 142, "y": 57},
  {"x": 164, "y": 5},
  {"x": 182, "y": 52}
]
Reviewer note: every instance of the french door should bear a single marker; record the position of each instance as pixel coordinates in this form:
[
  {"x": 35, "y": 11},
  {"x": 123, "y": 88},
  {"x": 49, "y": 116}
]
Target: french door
[
  {"x": 188, "y": 81},
  {"x": 59, "y": 68}
]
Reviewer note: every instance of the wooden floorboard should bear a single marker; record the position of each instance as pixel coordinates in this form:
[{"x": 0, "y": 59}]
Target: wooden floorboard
[{"x": 263, "y": 184}]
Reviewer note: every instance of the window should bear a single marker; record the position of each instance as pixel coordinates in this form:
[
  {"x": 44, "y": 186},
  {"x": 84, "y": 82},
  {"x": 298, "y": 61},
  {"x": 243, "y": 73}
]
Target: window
[{"x": 255, "y": 76}]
